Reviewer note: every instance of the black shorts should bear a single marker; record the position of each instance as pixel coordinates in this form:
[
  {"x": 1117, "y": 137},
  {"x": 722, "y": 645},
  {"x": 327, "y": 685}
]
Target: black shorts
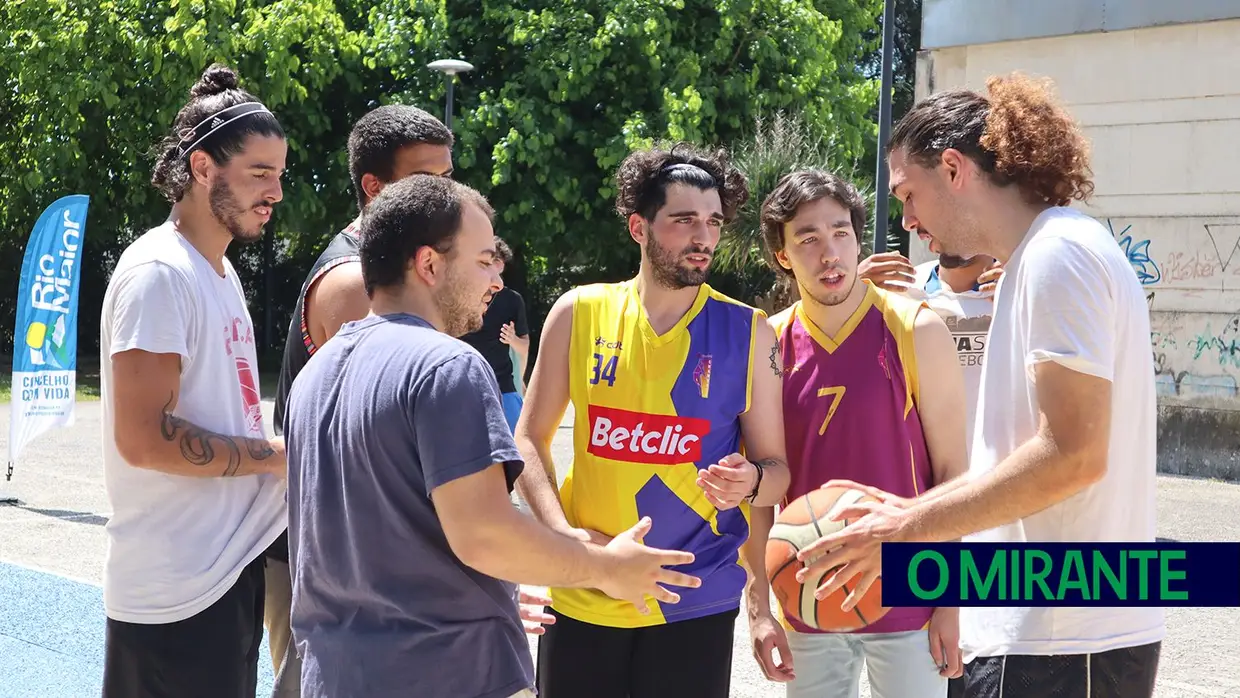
[
  {"x": 686, "y": 659},
  {"x": 1123, "y": 673},
  {"x": 213, "y": 654}
]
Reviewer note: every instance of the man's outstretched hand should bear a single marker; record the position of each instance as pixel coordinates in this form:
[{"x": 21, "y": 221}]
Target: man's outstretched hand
[
  {"x": 856, "y": 549},
  {"x": 533, "y": 612}
]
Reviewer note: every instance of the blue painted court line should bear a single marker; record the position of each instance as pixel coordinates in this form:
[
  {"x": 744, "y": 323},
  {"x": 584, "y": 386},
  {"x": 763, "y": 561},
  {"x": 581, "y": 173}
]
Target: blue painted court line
[{"x": 51, "y": 637}]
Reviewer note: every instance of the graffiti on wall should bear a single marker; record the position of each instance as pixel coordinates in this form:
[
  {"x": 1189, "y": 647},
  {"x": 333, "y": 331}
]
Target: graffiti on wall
[
  {"x": 1196, "y": 354},
  {"x": 1138, "y": 255},
  {"x": 1213, "y": 261}
]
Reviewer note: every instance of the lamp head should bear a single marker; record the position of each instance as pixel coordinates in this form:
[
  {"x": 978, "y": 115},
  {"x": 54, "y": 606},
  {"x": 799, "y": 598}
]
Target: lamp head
[{"x": 449, "y": 66}]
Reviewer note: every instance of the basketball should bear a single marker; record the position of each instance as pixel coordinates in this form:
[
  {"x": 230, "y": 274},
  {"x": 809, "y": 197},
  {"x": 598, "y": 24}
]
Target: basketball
[{"x": 803, "y": 521}]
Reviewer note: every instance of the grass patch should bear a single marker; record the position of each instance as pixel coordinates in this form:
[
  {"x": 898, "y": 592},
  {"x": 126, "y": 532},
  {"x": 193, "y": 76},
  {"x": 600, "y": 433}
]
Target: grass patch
[{"x": 88, "y": 381}]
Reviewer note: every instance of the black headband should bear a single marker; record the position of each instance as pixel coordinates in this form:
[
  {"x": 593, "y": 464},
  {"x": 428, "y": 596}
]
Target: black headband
[
  {"x": 217, "y": 121},
  {"x": 688, "y": 168}
]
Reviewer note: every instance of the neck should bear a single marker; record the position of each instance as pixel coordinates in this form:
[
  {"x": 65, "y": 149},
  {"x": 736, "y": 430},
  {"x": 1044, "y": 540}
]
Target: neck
[
  {"x": 961, "y": 279},
  {"x": 195, "y": 222},
  {"x": 403, "y": 299},
  {"x": 1007, "y": 222},
  {"x": 664, "y": 306},
  {"x": 831, "y": 318}
]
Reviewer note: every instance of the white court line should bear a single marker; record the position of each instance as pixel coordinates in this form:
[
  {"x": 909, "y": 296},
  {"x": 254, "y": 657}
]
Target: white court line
[{"x": 35, "y": 568}]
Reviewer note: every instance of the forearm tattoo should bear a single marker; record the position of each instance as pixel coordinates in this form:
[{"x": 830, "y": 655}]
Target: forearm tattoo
[
  {"x": 775, "y": 362},
  {"x": 199, "y": 446}
]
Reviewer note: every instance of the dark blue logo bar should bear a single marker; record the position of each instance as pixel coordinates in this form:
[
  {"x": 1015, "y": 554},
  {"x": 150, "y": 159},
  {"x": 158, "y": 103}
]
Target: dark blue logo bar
[{"x": 1061, "y": 574}]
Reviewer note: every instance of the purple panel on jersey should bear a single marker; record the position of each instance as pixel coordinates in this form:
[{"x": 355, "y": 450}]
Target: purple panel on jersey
[
  {"x": 678, "y": 527},
  {"x": 713, "y": 385}
]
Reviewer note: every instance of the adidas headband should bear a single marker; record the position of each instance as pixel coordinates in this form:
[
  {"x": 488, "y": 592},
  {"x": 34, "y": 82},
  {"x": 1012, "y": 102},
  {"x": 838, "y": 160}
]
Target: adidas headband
[{"x": 217, "y": 121}]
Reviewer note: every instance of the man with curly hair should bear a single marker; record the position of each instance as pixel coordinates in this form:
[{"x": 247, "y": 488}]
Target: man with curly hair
[
  {"x": 667, "y": 377},
  {"x": 994, "y": 175}
]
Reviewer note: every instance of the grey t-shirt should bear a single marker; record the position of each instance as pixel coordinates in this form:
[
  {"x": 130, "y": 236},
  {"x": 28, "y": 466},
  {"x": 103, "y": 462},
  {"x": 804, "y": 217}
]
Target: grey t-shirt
[{"x": 380, "y": 416}]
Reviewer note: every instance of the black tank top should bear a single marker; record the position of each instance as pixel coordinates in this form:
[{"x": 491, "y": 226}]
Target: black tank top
[{"x": 298, "y": 347}]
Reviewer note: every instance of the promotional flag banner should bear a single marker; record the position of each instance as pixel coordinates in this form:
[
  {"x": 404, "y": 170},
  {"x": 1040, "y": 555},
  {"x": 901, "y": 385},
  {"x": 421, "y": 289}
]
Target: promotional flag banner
[{"x": 45, "y": 334}]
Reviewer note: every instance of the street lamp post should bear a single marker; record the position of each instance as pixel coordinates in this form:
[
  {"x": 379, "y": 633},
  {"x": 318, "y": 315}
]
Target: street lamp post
[
  {"x": 881, "y": 195},
  {"x": 450, "y": 68}
]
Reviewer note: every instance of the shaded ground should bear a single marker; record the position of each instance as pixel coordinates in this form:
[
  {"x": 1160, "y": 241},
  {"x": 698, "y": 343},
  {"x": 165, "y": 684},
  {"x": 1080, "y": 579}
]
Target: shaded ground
[{"x": 51, "y": 623}]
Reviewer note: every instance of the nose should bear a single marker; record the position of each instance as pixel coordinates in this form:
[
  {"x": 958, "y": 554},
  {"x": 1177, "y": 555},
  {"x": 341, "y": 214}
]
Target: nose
[
  {"x": 831, "y": 252},
  {"x": 275, "y": 193},
  {"x": 909, "y": 219},
  {"x": 497, "y": 281},
  {"x": 705, "y": 235}
]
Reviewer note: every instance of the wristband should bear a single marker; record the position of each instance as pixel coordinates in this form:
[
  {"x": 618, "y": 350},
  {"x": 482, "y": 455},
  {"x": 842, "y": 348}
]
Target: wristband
[{"x": 753, "y": 495}]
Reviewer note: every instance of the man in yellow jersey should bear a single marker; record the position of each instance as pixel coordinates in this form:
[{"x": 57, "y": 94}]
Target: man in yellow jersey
[
  {"x": 671, "y": 381},
  {"x": 873, "y": 393}
]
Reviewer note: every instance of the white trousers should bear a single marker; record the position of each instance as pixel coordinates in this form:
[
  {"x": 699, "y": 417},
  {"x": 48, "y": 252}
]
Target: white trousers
[{"x": 899, "y": 665}]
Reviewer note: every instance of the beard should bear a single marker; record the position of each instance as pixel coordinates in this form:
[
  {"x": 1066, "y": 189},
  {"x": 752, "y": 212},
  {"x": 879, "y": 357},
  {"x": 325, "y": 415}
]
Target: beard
[
  {"x": 460, "y": 307},
  {"x": 228, "y": 211},
  {"x": 952, "y": 261},
  {"x": 666, "y": 267},
  {"x": 830, "y": 298}
]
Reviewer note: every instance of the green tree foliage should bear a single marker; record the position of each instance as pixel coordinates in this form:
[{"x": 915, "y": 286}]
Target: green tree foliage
[
  {"x": 776, "y": 146},
  {"x": 562, "y": 91}
]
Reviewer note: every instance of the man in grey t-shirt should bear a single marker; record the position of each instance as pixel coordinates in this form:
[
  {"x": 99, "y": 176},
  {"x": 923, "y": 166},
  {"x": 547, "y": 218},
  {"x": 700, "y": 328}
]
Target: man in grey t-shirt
[{"x": 401, "y": 465}]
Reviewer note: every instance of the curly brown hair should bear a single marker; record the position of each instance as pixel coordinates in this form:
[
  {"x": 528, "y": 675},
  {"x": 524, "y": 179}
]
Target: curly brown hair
[
  {"x": 1018, "y": 134},
  {"x": 797, "y": 189},
  {"x": 642, "y": 179}
]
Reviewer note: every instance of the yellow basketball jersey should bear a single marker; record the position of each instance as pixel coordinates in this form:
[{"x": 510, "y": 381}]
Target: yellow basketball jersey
[{"x": 649, "y": 411}]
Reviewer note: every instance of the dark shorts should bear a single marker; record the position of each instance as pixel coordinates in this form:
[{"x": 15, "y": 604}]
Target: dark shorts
[
  {"x": 686, "y": 659},
  {"x": 213, "y": 654},
  {"x": 1123, "y": 673}
]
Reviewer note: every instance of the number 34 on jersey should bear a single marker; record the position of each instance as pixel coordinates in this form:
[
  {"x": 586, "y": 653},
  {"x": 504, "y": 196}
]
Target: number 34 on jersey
[{"x": 603, "y": 369}]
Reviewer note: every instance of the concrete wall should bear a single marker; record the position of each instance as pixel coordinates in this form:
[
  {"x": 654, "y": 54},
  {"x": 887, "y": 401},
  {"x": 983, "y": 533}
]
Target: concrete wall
[{"x": 1161, "y": 106}]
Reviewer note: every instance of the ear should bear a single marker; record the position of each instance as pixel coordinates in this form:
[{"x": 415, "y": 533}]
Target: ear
[
  {"x": 200, "y": 167},
  {"x": 426, "y": 264},
  {"x": 637, "y": 227},
  {"x": 371, "y": 185},
  {"x": 956, "y": 166},
  {"x": 782, "y": 258}
]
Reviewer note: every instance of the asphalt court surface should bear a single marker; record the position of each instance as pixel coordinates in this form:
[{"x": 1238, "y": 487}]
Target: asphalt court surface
[{"x": 52, "y": 547}]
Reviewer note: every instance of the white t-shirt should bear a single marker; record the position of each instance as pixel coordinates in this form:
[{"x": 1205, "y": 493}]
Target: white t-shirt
[
  {"x": 967, "y": 315},
  {"x": 1068, "y": 295},
  {"x": 176, "y": 544}
]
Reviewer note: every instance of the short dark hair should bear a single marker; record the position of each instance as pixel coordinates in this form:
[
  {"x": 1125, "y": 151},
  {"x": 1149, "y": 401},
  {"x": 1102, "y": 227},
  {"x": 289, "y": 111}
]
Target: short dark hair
[
  {"x": 418, "y": 211},
  {"x": 381, "y": 133},
  {"x": 503, "y": 251},
  {"x": 214, "y": 92},
  {"x": 803, "y": 187},
  {"x": 644, "y": 176},
  {"x": 1018, "y": 135}
]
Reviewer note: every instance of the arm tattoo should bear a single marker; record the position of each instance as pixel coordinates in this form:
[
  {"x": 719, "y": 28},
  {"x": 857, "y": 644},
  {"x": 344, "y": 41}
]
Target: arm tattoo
[
  {"x": 259, "y": 449},
  {"x": 774, "y": 363},
  {"x": 198, "y": 446}
]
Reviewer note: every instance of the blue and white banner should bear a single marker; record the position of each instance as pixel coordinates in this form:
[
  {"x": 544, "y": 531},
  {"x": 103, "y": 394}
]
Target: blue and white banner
[{"x": 45, "y": 335}]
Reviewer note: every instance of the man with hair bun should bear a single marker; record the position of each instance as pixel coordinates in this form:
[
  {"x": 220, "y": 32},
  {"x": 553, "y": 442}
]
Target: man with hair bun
[
  {"x": 667, "y": 378},
  {"x": 994, "y": 174},
  {"x": 196, "y": 489}
]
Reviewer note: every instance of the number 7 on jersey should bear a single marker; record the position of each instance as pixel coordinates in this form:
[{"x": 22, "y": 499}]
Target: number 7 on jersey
[{"x": 836, "y": 393}]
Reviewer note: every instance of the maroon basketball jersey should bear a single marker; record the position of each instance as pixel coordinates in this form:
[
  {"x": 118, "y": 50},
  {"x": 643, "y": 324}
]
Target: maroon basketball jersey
[{"x": 850, "y": 411}]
